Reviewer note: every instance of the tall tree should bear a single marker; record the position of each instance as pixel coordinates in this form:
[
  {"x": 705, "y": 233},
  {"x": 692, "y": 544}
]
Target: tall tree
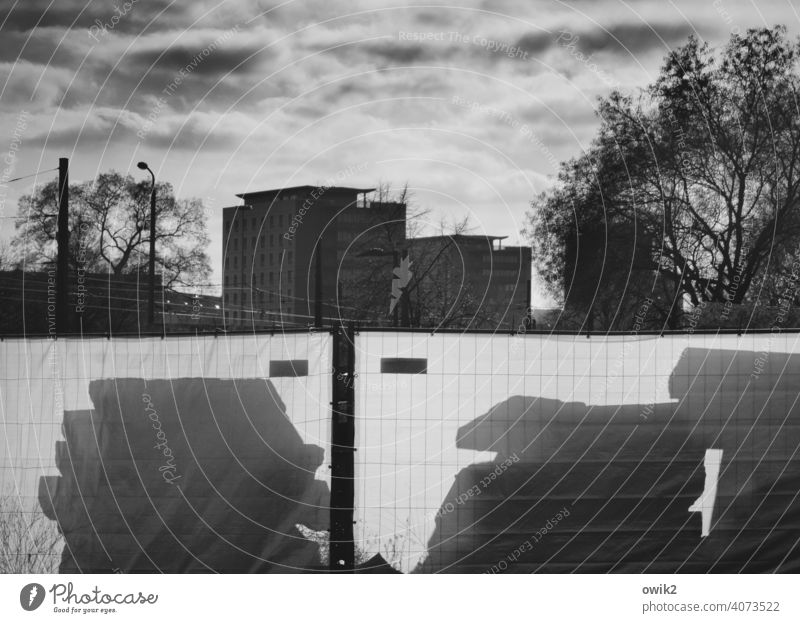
[
  {"x": 691, "y": 186},
  {"x": 110, "y": 229}
]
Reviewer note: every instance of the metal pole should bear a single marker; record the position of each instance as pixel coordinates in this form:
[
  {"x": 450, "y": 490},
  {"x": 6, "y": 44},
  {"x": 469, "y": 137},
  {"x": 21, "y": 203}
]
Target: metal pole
[
  {"x": 528, "y": 302},
  {"x": 151, "y": 305},
  {"x": 62, "y": 241},
  {"x": 318, "y": 287},
  {"x": 396, "y": 312}
]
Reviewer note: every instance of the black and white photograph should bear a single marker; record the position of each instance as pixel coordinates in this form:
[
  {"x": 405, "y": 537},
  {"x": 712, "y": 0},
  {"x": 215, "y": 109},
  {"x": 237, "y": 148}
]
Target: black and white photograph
[{"x": 313, "y": 288}]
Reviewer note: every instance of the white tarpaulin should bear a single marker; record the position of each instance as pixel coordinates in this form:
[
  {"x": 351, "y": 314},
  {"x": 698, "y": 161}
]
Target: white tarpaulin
[
  {"x": 568, "y": 453},
  {"x": 474, "y": 452},
  {"x": 177, "y": 454}
]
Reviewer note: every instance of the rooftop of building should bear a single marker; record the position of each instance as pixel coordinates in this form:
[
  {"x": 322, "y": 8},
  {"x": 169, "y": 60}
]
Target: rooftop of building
[
  {"x": 461, "y": 238},
  {"x": 341, "y": 190}
]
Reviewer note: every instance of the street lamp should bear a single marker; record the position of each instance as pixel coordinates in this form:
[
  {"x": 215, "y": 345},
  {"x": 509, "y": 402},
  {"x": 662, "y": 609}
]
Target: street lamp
[{"x": 151, "y": 304}]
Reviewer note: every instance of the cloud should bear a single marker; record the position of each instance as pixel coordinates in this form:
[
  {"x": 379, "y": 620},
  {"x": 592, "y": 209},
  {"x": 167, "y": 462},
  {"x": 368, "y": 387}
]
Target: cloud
[
  {"x": 31, "y": 86},
  {"x": 634, "y": 38},
  {"x": 622, "y": 39},
  {"x": 32, "y": 15},
  {"x": 534, "y": 43},
  {"x": 207, "y": 60},
  {"x": 46, "y": 46},
  {"x": 398, "y": 53},
  {"x": 303, "y": 88}
]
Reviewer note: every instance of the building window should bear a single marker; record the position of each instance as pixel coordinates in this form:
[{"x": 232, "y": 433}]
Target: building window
[
  {"x": 236, "y": 261},
  {"x": 235, "y": 298},
  {"x": 235, "y": 281},
  {"x": 289, "y": 257},
  {"x": 235, "y": 243},
  {"x": 280, "y": 220},
  {"x": 262, "y": 259},
  {"x": 226, "y": 280},
  {"x": 262, "y": 278},
  {"x": 262, "y": 241},
  {"x": 271, "y": 278},
  {"x": 226, "y": 297},
  {"x": 253, "y": 222},
  {"x": 271, "y": 259},
  {"x": 271, "y": 223}
]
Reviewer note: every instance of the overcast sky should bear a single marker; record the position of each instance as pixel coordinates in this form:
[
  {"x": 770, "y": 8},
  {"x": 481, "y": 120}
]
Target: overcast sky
[{"x": 473, "y": 105}]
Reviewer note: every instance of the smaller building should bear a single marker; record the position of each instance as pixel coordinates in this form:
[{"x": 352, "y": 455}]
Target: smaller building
[
  {"x": 99, "y": 304},
  {"x": 469, "y": 281}
]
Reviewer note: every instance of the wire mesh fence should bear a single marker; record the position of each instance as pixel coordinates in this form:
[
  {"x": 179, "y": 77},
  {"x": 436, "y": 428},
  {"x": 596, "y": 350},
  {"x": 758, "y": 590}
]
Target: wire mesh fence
[
  {"x": 175, "y": 454},
  {"x": 569, "y": 454}
]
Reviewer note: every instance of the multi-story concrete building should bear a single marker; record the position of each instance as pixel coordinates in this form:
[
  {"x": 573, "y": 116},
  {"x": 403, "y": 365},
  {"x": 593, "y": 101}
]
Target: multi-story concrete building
[{"x": 270, "y": 249}]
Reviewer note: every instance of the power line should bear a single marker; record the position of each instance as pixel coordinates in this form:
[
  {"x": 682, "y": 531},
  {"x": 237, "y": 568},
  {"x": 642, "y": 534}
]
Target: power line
[{"x": 24, "y": 177}]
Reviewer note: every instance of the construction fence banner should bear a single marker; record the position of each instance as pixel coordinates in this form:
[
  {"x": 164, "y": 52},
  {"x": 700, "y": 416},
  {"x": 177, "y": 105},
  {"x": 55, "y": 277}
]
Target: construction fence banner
[
  {"x": 174, "y": 455},
  {"x": 544, "y": 453},
  {"x": 473, "y": 453}
]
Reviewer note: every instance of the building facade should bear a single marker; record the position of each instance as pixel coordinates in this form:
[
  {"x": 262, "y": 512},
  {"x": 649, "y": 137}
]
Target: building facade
[
  {"x": 271, "y": 247},
  {"x": 469, "y": 281}
]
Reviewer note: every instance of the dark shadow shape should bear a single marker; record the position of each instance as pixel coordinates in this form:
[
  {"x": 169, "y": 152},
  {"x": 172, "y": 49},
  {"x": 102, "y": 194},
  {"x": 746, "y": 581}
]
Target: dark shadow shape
[
  {"x": 627, "y": 476},
  {"x": 221, "y": 490}
]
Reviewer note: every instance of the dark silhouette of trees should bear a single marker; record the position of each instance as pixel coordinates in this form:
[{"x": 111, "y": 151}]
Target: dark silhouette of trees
[{"x": 688, "y": 194}]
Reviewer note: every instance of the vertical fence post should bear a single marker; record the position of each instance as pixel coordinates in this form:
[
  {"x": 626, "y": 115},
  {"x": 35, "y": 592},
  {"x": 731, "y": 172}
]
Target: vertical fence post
[
  {"x": 318, "y": 287},
  {"x": 62, "y": 257},
  {"x": 342, "y": 548}
]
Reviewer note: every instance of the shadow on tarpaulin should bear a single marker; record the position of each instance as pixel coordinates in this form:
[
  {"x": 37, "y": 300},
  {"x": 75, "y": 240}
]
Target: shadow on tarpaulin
[
  {"x": 186, "y": 475},
  {"x": 626, "y": 476}
]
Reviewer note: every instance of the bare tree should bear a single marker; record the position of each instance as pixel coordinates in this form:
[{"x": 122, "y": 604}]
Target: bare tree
[
  {"x": 6, "y": 257},
  {"x": 440, "y": 294},
  {"x": 370, "y": 257},
  {"x": 29, "y": 542},
  {"x": 700, "y": 173}
]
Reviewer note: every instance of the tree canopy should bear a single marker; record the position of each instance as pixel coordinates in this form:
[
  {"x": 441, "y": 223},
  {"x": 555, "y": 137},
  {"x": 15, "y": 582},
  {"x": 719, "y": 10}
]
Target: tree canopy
[
  {"x": 688, "y": 195},
  {"x": 110, "y": 229}
]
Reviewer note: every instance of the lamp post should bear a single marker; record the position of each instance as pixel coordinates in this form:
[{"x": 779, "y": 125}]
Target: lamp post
[{"x": 151, "y": 304}]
